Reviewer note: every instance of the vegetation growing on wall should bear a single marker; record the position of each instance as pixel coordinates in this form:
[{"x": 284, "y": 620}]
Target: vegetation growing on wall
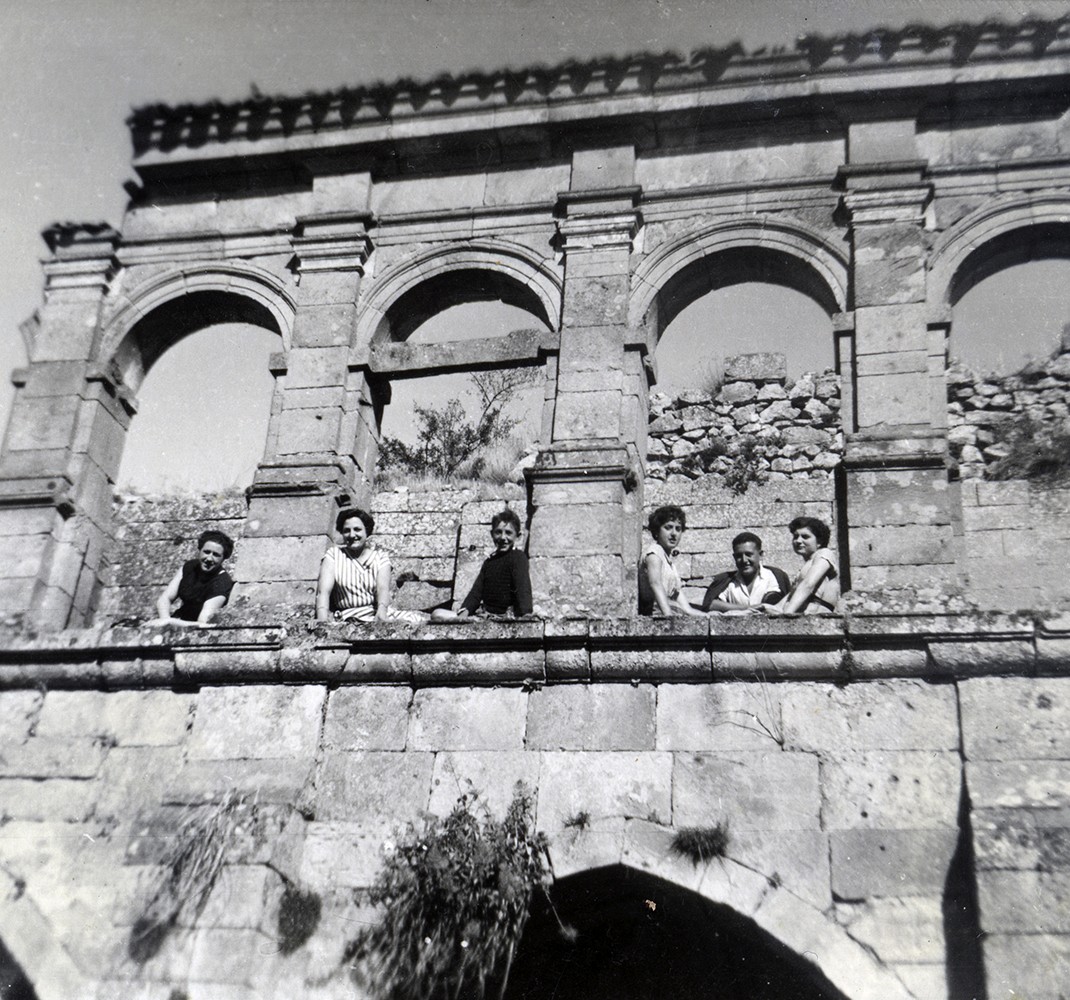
[
  {"x": 701, "y": 843},
  {"x": 455, "y": 896},
  {"x": 190, "y": 869},
  {"x": 450, "y": 443}
]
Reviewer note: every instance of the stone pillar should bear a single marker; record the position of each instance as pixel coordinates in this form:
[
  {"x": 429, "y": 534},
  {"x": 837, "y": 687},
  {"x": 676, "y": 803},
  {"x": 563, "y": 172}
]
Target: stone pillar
[
  {"x": 586, "y": 485},
  {"x": 322, "y": 438},
  {"x": 64, "y": 440},
  {"x": 898, "y": 510}
]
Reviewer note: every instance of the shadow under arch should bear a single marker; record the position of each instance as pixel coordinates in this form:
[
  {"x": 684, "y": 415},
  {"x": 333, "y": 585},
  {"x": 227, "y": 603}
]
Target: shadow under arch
[
  {"x": 616, "y": 933},
  {"x": 999, "y": 234},
  {"x": 405, "y": 297},
  {"x": 14, "y": 983},
  {"x": 734, "y": 252},
  {"x": 160, "y": 312}
]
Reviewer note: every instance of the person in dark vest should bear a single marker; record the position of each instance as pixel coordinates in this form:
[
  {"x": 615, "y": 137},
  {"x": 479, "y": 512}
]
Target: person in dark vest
[
  {"x": 202, "y": 587},
  {"x": 751, "y": 585}
]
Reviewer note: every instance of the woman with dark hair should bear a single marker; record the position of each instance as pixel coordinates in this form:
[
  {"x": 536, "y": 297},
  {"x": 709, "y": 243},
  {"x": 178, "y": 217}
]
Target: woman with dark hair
[
  {"x": 201, "y": 586},
  {"x": 816, "y": 587},
  {"x": 659, "y": 582},
  {"x": 354, "y": 580}
]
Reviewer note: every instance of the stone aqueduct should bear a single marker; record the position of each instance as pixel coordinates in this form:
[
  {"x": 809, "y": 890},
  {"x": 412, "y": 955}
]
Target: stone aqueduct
[{"x": 895, "y": 781}]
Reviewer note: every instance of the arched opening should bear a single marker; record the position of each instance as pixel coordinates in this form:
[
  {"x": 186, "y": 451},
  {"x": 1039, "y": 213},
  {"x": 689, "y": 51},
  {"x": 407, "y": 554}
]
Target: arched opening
[
  {"x": 1010, "y": 299},
  {"x": 1008, "y": 395},
  {"x": 620, "y": 934},
  {"x": 415, "y": 307},
  {"x": 520, "y": 381}
]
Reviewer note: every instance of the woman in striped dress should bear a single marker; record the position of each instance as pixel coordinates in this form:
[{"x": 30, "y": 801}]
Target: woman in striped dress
[{"x": 354, "y": 580}]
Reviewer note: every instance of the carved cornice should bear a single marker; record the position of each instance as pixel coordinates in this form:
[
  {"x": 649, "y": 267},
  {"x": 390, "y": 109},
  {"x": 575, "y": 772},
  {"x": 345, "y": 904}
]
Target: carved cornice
[
  {"x": 82, "y": 255},
  {"x": 332, "y": 242},
  {"x": 165, "y": 127}
]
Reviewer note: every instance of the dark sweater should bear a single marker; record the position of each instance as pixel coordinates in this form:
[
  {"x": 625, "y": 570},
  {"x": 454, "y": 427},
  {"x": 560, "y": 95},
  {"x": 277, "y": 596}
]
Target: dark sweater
[
  {"x": 503, "y": 584},
  {"x": 195, "y": 588}
]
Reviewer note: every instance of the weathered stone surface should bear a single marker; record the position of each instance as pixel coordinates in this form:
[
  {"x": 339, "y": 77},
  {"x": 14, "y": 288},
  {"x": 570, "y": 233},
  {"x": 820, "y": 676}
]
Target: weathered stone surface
[
  {"x": 128, "y": 718},
  {"x": 589, "y": 717},
  {"x": 880, "y": 863},
  {"x": 886, "y": 715},
  {"x": 337, "y": 854},
  {"x": 798, "y": 860},
  {"x": 18, "y": 713},
  {"x": 759, "y": 791},
  {"x": 1010, "y": 784},
  {"x": 890, "y": 790},
  {"x": 743, "y": 716},
  {"x": 370, "y": 784},
  {"x": 898, "y": 930},
  {"x": 1029, "y": 902},
  {"x": 468, "y": 719},
  {"x": 275, "y": 722},
  {"x": 756, "y": 367},
  {"x": 492, "y": 776},
  {"x": 603, "y": 784},
  {"x": 367, "y": 718},
  {"x": 1022, "y": 839},
  {"x": 1027, "y": 965},
  {"x": 1015, "y": 718}
]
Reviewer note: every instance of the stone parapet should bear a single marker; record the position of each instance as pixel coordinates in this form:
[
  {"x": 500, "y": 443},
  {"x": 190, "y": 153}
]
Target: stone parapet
[{"x": 525, "y": 653}]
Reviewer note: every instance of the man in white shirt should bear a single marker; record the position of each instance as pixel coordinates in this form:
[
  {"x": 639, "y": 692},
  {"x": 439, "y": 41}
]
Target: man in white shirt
[{"x": 751, "y": 585}]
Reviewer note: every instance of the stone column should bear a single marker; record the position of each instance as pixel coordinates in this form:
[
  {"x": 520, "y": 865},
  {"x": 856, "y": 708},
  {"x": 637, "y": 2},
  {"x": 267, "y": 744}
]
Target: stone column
[
  {"x": 898, "y": 510},
  {"x": 63, "y": 442},
  {"x": 586, "y": 485},
  {"x": 322, "y": 436}
]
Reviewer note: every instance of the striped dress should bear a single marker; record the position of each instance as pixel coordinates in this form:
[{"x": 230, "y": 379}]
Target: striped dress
[{"x": 353, "y": 597}]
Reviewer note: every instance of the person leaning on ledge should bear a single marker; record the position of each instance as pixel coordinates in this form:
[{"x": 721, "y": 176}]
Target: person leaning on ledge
[
  {"x": 750, "y": 585},
  {"x": 202, "y": 587}
]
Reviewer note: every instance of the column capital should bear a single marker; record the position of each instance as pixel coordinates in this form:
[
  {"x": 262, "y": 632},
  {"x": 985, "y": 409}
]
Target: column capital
[
  {"x": 334, "y": 241},
  {"x": 599, "y": 219},
  {"x": 82, "y": 256},
  {"x": 888, "y": 205}
]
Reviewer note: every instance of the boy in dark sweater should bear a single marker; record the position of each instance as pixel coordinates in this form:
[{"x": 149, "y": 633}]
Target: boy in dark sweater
[{"x": 503, "y": 587}]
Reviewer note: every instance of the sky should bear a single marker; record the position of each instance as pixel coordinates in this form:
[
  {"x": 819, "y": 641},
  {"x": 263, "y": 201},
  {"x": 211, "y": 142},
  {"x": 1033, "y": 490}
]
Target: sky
[{"x": 71, "y": 70}]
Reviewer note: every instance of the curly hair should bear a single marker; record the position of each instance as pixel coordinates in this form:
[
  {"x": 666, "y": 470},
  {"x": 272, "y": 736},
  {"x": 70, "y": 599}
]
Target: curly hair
[
  {"x": 663, "y": 515},
  {"x": 821, "y": 531},
  {"x": 348, "y": 512},
  {"x": 225, "y": 541}
]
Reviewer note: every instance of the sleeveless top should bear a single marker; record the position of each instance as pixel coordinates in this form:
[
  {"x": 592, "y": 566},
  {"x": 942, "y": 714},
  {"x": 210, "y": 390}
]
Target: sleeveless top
[{"x": 647, "y": 604}]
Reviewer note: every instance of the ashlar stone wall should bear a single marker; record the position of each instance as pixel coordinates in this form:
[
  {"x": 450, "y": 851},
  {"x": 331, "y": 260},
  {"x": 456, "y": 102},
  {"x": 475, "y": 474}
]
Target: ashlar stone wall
[{"x": 843, "y": 806}]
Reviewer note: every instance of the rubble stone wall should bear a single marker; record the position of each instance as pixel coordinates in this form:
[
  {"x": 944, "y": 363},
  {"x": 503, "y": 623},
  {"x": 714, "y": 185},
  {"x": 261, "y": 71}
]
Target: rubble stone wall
[
  {"x": 793, "y": 427},
  {"x": 842, "y": 805}
]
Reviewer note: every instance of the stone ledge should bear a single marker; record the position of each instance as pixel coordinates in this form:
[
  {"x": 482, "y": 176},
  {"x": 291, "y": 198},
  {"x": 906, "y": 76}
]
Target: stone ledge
[{"x": 841, "y": 649}]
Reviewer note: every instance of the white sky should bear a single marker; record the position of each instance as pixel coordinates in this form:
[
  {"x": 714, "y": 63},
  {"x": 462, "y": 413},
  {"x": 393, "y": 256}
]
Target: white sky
[{"x": 70, "y": 71}]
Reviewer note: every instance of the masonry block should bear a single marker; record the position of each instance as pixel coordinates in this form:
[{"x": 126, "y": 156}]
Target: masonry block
[
  {"x": 290, "y": 558},
  {"x": 491, "y": 776},
  {"x": 1024, "y": 902},
  {"x": 603, "y": 785},
  {"x": 719, "y": 717},
  {"x": 258, "y": 721},
  {"x": 367, "y": 718},
  {"x": 468, "y": 719},
  {"x": 1016, "y": 718},
  {"x": 882, "y": 863},
  {"x": 898, "y": 930},
  {"x": 759, "y": 791},
  {"x": 1036, "y": 966},
  {"x": 367, "y": 785},
  {"x": 589, "y": 717}
]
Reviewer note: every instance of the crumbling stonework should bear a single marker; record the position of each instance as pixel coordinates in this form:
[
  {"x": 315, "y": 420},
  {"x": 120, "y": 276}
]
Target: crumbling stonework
[
  {"x": 755, "y": 427},
  {"x": 983, "y": 410},
  {"x": 892, "y": 776}
]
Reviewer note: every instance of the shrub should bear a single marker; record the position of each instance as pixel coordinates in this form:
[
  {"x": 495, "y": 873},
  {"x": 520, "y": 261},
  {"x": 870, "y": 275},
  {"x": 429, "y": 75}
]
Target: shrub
[
  {"x": 190, "y": 869},
  {"x": 701, "y": 843},
  {"x": 455, "y": 896},
  {"x": 1035, "y": 450}
]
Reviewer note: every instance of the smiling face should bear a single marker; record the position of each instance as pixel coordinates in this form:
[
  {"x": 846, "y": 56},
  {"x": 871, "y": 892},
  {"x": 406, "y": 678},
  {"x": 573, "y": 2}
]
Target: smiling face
[
  {"x": 210, "y": 557},
  {"x": 748, "y": 559},
  {"x": 669, "y": 534},
  {"x": 804, "y": 542},
  {"x": 354, "y": 535},
  {"x": 504, "y": 536}
]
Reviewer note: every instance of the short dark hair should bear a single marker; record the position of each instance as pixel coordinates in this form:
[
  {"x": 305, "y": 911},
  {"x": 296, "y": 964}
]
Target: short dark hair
[
  {"x": 746, "y": 536},
  {"x": 348, "y": 512},
  {"x": 663, "y": 515},
  {"x": 211, "y": 535},
  {"x": 505, "y": 516},
  {"x": 821, "y": 531}
]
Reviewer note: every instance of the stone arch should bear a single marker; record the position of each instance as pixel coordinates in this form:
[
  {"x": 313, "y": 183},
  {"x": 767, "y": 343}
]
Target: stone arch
[
  {"x": 1005, "y": 232},
  {"x": 162, "y": 310},
  {"x": 418, "y": 287},
  {"x": 756, "y": 898},
  {"x": 782, "y": 251}
]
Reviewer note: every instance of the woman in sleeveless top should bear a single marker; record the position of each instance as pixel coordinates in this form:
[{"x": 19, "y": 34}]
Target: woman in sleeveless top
[
  {"x": 354, "y": 580},
  {"x": 816, "y": 587}
]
